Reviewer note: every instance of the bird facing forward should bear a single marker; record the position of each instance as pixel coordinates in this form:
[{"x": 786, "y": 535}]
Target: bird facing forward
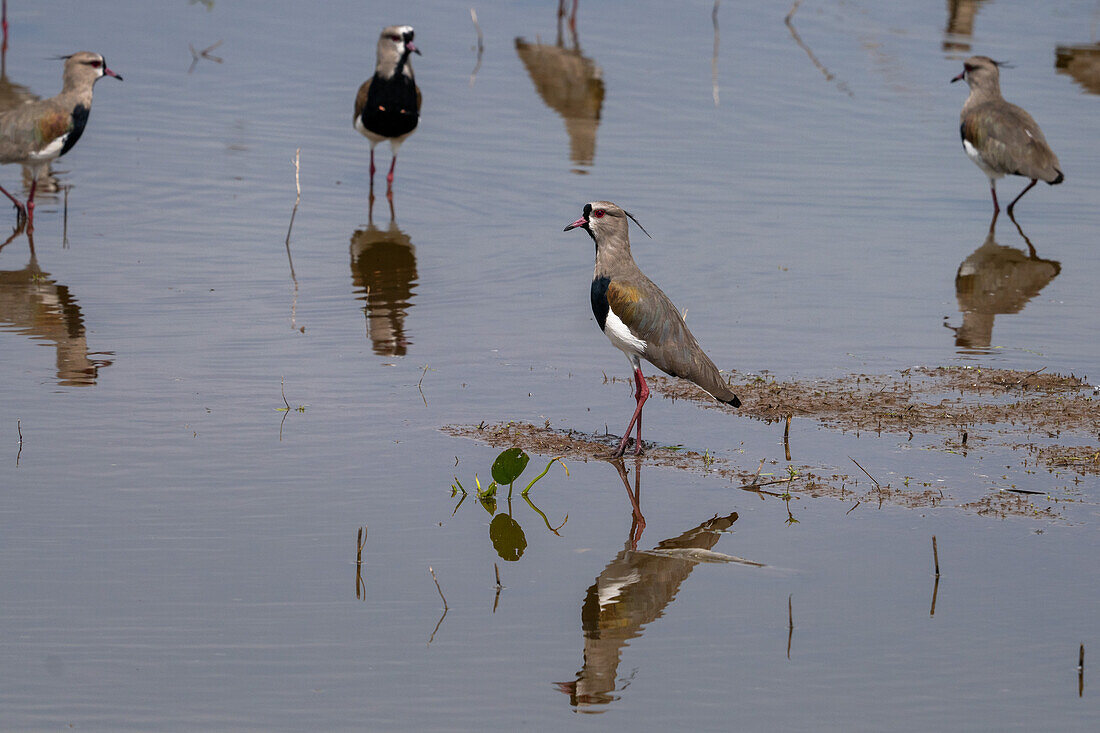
[
  {"x": 638, "y": 318},
  {"x": 38, "y": 132},
  {"x": 1001, "y": 138},
  {"x": 387, "y": 106}
]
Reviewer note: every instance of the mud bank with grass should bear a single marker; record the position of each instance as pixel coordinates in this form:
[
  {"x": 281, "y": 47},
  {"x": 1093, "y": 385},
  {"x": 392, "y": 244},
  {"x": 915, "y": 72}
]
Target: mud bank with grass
[{"x": 1045, "y": 421}]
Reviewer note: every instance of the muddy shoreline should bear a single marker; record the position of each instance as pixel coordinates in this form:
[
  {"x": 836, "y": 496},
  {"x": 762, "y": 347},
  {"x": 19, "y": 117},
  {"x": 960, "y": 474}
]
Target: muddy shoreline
[{"x": 1046, "y": 419}]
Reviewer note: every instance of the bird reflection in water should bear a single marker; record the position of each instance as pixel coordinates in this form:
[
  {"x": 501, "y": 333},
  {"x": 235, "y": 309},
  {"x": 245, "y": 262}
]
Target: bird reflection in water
[
  {"x": 996, "y": 279},
  {"x": 34, "y": 305},
  {"x": 570, "y": 84},
  {"x": 632, "y": 592},
  {"x": 960, "y": 24},
  {"x": 383, "y": 273},
  {"x": 1082, "y": 63}
]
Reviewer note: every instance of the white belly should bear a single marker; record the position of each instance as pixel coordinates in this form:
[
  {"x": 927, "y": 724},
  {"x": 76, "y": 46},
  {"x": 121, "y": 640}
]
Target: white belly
[
  {"x": 49, "y": 152},
  {"x": 974, "y": 155},
  {"x": 621, "y": 336},
  {"x": 375, "y": 138}
]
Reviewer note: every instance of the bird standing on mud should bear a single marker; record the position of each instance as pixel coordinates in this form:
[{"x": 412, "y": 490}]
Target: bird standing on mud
[
  {"x": 387, "y": 106},
  {"x": 638, "y": 318},
  {"x": 1001, "y": 138},
  {"x": 38, "y": 132}
]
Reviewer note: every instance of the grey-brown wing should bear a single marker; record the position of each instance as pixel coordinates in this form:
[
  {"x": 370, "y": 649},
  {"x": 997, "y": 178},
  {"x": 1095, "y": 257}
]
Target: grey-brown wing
[
  {"x": 1010, "y": 140},
  {"x": 670, "y": 346},
  {"x": 361, "y": 98}
]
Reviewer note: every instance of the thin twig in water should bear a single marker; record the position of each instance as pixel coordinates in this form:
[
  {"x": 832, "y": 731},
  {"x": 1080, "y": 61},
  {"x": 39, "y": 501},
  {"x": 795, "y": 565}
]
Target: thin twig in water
[
  {"x": 18, "y": 453},
  {"x": 798, "y": 39},
  {"x": 445, "y": 606},
  {"x": 1081, "y": 672},
  {"x": 282, "y": 390},
  {"x": 421, "y": 382},
  {"x": 65, "y": 221},
  {"x": 861, "y": 468},
  {"x": 289, "y": 259},
  {"x": 297, "y": 182},
  {"x": 787, "y": 438},
  {"x": 496, "y": 598},
  {"x": 858, "y": 502},
  {"x": 360, "y": 587},
  {"x": 203, "y": 54},
  {"x": 936, "y": 555},
  {"x": 790, "y": 624},
  {"x": 714, "y": 56},
  {"x": 480, "y": 46},
  {"x": 1028, "y": 376}
]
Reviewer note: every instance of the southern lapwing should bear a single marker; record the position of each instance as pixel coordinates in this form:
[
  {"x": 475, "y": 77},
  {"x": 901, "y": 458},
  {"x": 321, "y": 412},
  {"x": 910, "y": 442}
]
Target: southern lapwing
[
  {"x": 387, "y": 106},
  {"x": 1001, "y": 138},
  {"x": 638, "y": 318},
  {"x": 36, "y": 133}
]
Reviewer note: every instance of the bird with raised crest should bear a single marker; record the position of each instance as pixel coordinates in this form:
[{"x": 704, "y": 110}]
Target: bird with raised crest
[
  {"x": 38, "y": 132},
  {"x": 638, "y": 318},
  {"x": 387, "y": 106},
  {"x": 1001, "y": 138}
]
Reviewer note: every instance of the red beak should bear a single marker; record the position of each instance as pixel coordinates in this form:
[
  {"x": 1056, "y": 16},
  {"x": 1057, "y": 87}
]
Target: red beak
[
  {"x": 108, "y": 72},
  {"x": 582, "y": 222},
  {"x": 960, "y": 77}
]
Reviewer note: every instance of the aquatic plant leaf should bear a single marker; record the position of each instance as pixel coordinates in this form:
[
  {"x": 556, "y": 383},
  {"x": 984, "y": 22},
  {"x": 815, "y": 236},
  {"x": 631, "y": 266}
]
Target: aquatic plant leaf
[
  {"x": 509, "y": 465},
  {"x": 544, "y": 472},
  {"x": 507, "y": 537}
]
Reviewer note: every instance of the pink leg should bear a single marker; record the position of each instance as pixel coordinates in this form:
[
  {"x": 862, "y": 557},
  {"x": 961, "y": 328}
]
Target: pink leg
[
  {"x": 641, "y": 395},
  {"x": 389, "y": 176},
  {"x": 30, "y": 204},
  {"x": 642, "y": 389},
  {"x": 18, "y": 204},
  {"x": 996, "y": 206},
  {"x": 372, "y": 166}
]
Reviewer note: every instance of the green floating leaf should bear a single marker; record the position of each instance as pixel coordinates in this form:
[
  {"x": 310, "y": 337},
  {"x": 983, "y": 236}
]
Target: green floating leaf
[
  {"x": 509, "y": 465},
  {"x": 507, "y": 537}
]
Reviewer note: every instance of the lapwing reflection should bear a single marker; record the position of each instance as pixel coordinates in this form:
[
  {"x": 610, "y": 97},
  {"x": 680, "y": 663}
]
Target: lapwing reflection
[
  {"x": 996, "y": 279},
  {"x": 632, "y": 592},
  {"x": 960, "y": 24},
  {"x": 570, "y": 84},
  {"x": 1082, "y": 63},
  {"x": 383, "y": 272},
  {"x": 36, "y": 306}
]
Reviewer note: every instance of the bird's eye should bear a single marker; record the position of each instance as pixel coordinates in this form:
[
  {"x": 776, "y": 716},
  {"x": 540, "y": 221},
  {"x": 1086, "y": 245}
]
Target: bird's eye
[
  {"x": 395, "y": 39},
  {"x": 95, "y": 64},
  {"x": 598, "y": 213}
]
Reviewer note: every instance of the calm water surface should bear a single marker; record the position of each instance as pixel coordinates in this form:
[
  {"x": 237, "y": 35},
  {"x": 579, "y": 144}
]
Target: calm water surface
[{"x": 178, "y": 554}]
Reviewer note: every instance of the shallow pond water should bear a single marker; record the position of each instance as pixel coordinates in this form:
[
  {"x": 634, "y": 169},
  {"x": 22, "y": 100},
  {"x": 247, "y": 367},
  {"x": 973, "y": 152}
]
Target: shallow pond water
[{"x": 178, "y": 549}]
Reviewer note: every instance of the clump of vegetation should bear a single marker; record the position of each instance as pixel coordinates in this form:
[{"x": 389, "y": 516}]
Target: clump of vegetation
[{"x": 505, "y": 532}]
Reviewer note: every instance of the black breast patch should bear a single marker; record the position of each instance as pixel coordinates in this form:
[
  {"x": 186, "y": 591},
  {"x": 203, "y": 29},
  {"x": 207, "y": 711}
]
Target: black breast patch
[
  {"x": 600, "y": 305},
  {"x": 80, "y": 119},
  {"x": 391, "y": 108}
]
